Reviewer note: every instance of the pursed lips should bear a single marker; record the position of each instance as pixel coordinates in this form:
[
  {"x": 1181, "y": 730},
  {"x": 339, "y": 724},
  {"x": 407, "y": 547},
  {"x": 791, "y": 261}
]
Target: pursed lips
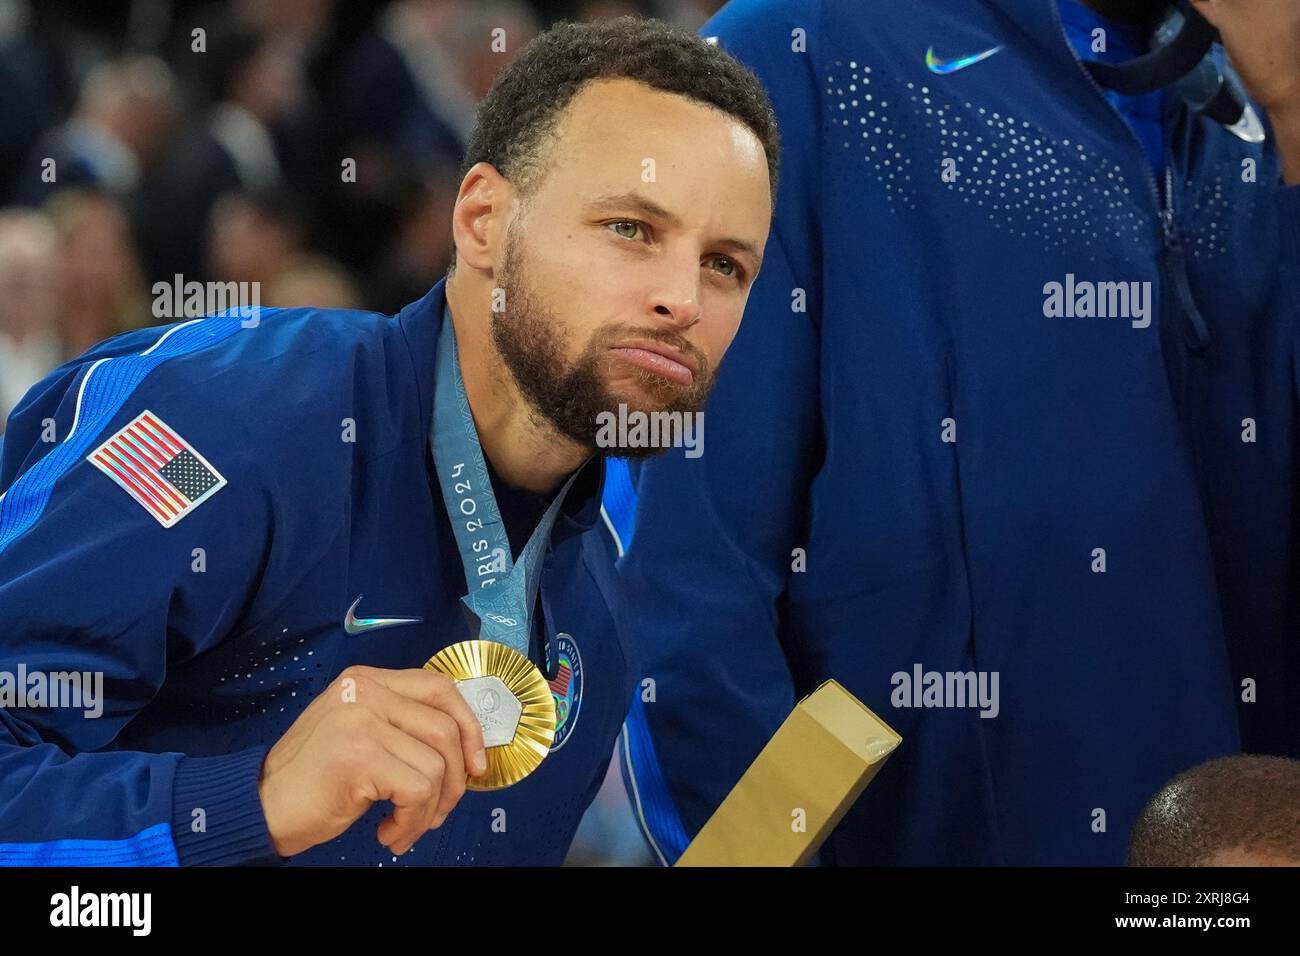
[{"x": 661, "y": 359}]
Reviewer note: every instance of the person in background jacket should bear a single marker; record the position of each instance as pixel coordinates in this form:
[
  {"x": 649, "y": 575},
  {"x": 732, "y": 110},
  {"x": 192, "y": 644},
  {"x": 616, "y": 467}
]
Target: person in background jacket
[{"x": 1006, "y": 445}]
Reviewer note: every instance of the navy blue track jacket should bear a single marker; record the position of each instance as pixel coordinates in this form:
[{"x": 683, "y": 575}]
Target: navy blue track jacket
[{"x": 191, "y": 512}]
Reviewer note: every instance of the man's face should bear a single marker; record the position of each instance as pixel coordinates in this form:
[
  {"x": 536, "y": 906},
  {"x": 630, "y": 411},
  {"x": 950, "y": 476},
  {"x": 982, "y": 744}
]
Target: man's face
[{"x": 625, "y": 278}]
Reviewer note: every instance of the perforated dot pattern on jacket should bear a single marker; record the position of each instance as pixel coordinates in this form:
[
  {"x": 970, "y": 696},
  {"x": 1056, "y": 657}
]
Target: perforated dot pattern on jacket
[{"x": 1022, "y": 179}]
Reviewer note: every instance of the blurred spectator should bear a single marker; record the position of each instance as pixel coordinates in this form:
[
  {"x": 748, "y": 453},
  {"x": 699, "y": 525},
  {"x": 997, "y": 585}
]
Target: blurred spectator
[
  {"x": 398, "y": 89},
  {"x": 405, "y": 100},
  {"x": 590, "y": 10},
  {"x": 29, "y": 304},
  {"x": 688, "y": 14},
  {"x": 316, "y": 281},
  {"x": 125, "y": 109},
  {"x": 303, "y": 23},
  {"x": 485, "y": 38},
  {"x": 252, "y": 237},
  {"x": 420, "y": 250},
  {"x": 103, "y": 289},
  {"x": 259, "y": 238},
  {"x": 302, "y": 30},
  {"x": 251, "y": 83},
  {"x": 32, "y": 87}
]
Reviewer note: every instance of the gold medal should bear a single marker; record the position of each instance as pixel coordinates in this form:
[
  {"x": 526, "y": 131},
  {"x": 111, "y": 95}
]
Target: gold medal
[{"x": 512, "y": 702}]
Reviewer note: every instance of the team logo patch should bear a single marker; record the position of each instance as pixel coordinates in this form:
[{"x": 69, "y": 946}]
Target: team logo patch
[
  {"x": 158, "y": 468},
  {"x": 566, "y": 688}
]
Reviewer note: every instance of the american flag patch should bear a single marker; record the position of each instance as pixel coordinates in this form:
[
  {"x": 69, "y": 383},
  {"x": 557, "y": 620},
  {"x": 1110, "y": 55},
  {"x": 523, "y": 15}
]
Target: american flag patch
[
  {"x": 561, "y": 683},
  {"x": 157, "y": 468}
]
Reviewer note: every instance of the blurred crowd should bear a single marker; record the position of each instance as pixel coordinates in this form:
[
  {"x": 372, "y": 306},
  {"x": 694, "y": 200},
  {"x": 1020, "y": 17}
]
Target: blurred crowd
[{"x": 310, "y": 146}]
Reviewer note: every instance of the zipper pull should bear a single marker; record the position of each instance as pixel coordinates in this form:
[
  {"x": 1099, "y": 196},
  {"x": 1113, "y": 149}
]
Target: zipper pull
[{"x": 1196, "y": 331}]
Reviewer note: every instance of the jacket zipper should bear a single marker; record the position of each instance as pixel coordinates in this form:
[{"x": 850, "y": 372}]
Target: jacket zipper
[{"x": 1172, "y": 260}]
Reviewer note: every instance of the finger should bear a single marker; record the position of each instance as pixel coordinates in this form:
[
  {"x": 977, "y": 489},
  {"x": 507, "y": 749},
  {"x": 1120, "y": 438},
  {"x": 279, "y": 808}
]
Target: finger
[
  {"x": 390, "y": 829},
  {"x": 412, "y": 794},
  {"x": 439, "y": 691},
  {"x": 414, "y": 821},
  {"x": 437, "y": 764},
  {"x": 438, "y": 730},
  {"x": 395, "y": 829},
  {"x": 454, "y": 779},
  {"x": 434, "y": 727}
]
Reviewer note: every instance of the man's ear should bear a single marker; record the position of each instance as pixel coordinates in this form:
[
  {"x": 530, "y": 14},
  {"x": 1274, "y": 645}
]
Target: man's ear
[{"x": 480, "y": 216}]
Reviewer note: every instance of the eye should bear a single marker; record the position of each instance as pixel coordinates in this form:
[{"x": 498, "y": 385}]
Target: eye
[
  {"x": 736, "y": 271},
  {"x": 636, "y": 225}
]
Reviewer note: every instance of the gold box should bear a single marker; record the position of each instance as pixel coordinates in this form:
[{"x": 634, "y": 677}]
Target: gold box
[{"x": 799, "y": 787}]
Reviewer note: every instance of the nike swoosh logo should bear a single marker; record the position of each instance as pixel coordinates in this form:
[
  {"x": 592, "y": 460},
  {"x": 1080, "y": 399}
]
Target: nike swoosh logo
[
  {"x": 363, "y": 625},
  {"x": 936, "y": 65}
]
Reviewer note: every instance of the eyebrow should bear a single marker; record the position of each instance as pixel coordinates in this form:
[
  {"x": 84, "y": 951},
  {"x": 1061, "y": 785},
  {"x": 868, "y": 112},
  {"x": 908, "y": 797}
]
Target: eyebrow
[{"x": 652, "y": 210}]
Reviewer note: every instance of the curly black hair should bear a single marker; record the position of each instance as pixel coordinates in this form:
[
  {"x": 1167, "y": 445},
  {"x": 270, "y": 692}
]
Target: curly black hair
[
  {"x": 1247, "y": 801},
  {"x": 528, "y": 97}
]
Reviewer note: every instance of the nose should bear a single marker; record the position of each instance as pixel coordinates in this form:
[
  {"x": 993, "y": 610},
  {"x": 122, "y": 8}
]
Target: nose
[{"x": 676, "y": 298}]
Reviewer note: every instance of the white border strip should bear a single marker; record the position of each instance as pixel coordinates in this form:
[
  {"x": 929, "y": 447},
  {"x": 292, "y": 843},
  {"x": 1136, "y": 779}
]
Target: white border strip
[
  {"x": 636, "y": 800},
  {"x": 618, "y": 542}
]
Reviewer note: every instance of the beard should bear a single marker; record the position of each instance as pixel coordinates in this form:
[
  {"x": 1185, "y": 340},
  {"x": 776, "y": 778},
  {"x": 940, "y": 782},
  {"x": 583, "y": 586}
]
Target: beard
[{"x": 533, "y": 344}]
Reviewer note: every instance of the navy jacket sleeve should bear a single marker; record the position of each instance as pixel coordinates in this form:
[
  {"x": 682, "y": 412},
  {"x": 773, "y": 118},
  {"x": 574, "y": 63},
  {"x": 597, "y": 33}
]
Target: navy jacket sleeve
[
  {"x": 715, "y": 537},
  {"x": 91, "y": 583}
]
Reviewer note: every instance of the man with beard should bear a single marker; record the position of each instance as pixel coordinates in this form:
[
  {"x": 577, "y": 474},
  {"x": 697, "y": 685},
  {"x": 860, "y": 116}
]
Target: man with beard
[{"x": 254, "y": 531}]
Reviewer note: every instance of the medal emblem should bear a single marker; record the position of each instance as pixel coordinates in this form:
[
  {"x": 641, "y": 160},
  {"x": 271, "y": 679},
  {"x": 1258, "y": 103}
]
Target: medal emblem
[{"x": 513, "y": 704}]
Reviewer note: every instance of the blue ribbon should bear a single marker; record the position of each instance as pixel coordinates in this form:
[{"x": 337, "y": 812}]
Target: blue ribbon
[{"x": 501, "y": 604}]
